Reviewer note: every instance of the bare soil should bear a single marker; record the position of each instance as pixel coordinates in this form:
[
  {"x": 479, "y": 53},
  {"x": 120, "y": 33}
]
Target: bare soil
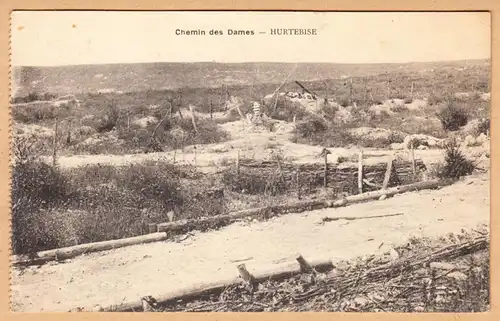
[
  {"x": 111, "y": 277},
  {"x": 258, "y": 144}
]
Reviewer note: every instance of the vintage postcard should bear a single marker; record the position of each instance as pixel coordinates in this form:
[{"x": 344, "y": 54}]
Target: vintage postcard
[{"x": 250, "y": 161}]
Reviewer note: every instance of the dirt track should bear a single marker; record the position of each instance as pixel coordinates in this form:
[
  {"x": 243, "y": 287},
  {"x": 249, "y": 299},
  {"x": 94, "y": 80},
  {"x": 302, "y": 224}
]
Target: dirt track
[
  {"x": 124, "y": 274},
  {"x": 254, "y": 144}
]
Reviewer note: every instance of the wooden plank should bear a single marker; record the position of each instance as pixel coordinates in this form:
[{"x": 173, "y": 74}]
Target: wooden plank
[
  {"x": 412, "y": 159},
  {"x": 360, "y": 172},
  {"x": 388, "y": 172}
]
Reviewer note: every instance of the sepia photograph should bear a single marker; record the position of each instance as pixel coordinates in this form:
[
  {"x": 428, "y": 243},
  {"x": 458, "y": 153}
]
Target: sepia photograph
[{"x": 250, "y": 161}]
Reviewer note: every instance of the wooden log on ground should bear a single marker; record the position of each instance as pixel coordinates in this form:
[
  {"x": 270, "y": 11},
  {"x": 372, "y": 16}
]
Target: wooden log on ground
[
  {"x": 394, "y": 190},
  {"x": 280, "y": 272},
  {"x": 296, "y": 207},
  {"x": 341, "y": 283},
  {"x": 187, "y": 225},
  {"x": 266, "y": 211},
  {"x": 72, "y": 251}
]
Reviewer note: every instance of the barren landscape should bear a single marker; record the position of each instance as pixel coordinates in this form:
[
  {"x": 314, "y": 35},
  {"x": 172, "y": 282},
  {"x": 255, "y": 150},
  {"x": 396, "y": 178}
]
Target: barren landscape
[{"x": 121, "y": 155}]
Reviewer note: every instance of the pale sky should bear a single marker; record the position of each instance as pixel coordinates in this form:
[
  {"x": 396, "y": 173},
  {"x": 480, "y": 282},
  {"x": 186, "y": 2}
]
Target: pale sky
[{"x": 71, "y": 37}]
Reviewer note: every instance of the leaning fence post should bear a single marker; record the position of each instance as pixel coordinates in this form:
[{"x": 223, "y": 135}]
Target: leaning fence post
[
  {"x": 388, "y": 172},
  {"x": 360, "y": 172}
]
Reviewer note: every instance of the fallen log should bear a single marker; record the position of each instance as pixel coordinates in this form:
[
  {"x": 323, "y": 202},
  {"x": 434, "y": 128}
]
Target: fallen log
[
  {"x": 217, "y": 221},
  {"x": 264, "y": 212},
  {"x": 341, "y": 283},
  {"x": 280, "y": 272},
  {"x": 297, "y": 207},
  {"x": 72, "y": 251}
]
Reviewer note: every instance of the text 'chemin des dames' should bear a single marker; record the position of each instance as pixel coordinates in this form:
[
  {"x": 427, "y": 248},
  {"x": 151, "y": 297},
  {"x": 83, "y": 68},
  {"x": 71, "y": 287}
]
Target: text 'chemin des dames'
[{"x": 240, "y": 32}]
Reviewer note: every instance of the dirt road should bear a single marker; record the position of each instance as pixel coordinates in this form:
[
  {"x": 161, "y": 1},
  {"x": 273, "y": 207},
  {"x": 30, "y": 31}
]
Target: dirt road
[
  {"x": 256, "y": 145},
  {"x": 128, "y": 273}
]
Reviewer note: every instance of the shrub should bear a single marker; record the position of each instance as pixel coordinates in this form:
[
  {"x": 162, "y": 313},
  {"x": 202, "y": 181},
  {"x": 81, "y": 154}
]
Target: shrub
[
  {"x": 36, "y": 189},
  {"x": 453, "y": 116},
  {"x": 455, "y": 164},
  {"x": 37, "y": 113},
  {"x": 110, "y": 119},
  {"x": 285, "y": 109},
  {"x": 310, "y": 126},
  {"x": 483, "y": 127}
]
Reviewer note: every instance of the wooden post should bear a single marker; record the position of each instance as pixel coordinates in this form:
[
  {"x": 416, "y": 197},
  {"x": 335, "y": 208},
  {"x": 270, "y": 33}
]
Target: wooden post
[
  {"x": 305, "y": 267},
  {"x": 411, "y": 90},
  {"x": 412, "y": 159},
  {"x": 54, "y": 143},
  {"x": 360, "y": 172},
  {"x": 194, "y": 147},
  {"x": 211, "y": 110},
  {"x": 364, "y": 91},
  {"x": 297, "y": 180},
  {"x": 388, "y": 172},
  {"x": 238, "y": 163},
  {"x": 68, "y": 137},
  {"x": 325, "y": 178},
  {"x": 170, "y": 216},
  {"x": 152, "y": 228},
  {"x": 171, "y": 108},
  {"x": 350, "y": 91},
  {"x": 247, "y": 277},
  {"x": 193, "y": 120}
]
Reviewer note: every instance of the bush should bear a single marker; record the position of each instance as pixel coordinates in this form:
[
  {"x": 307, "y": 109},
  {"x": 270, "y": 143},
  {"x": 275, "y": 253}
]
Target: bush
[
  {"x": 36, "y": 113},
  {"x": 456, "y": 164},
  {"x": 453, "y": 116},
  {"x": 37, "y": 188},
  {"x": 110, "y": 119},
  {"x": 53, "y": 209},
  {"x": 285, "y": 110},
  {"x": 483, "y": 127},
  {"x": 310, "y": 126}
]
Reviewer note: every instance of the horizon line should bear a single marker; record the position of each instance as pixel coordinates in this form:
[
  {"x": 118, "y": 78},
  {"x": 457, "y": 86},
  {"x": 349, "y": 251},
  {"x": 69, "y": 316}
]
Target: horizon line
[{"x": 250, "y": 62}]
